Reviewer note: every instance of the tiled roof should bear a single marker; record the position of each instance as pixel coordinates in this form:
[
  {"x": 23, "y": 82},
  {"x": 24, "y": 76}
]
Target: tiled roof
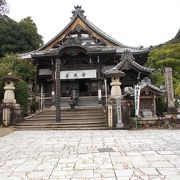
[
  {"x": 103, "y": 34},
  {"x": 128, "y": 61},
  {"x": 146, "y": 82},
  {"x": 79, "y": 13}
]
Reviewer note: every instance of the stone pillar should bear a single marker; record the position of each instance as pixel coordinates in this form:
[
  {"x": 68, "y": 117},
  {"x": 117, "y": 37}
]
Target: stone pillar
[
  {"x": 99, "y": 82},
  {"x": 110, "y": 115},
  {"x": 99, "y": 92},
  {"x": 169, "y": 89},
  {"x": 6, "y": 116},
  {"x": 154, "y": 105},
  {"x": 119, "y": 113}
]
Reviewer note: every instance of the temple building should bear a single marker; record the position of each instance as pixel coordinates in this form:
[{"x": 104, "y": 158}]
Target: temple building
[{"x": 85, "y": 53}]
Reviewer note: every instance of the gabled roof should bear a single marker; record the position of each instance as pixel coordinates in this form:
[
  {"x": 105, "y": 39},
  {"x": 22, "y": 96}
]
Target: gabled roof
[
  {"x": 146, "y": 83},
  {"x": 79, "y": 22},
  {"x": 78, "y": 18},
  {"x": 127, "y": 62}
]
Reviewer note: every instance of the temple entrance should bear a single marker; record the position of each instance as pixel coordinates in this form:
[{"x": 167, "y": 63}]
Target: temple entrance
[{"x": 83, "y": 88}]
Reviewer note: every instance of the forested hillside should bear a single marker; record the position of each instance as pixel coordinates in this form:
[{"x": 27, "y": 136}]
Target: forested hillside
[{"x": 166, "y": 55}]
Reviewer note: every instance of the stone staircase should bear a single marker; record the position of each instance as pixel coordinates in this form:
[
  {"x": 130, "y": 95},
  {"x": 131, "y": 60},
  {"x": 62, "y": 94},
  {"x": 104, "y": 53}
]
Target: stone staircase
[
  {"x": 80, "y": 118},
  {"x": 82, "y": 101}
]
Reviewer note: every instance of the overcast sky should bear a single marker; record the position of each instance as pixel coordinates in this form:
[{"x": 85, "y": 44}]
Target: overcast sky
[{"x": 131, "y": 22}]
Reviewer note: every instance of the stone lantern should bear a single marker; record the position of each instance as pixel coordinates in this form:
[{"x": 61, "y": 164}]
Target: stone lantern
[
  {"x": 9, "y": 102},
  {"x": 115, "y": 76},
  {"x": 9, "y": 97},
  {"x": 114, "y": 102}
]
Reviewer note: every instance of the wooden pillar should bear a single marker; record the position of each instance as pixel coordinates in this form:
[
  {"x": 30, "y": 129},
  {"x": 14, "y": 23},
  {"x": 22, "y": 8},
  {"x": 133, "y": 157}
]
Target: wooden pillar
[
  {"x": 58, "y": 91},
  {"x": 34, "y": 100},
  {"x": 53, "y": 87}
]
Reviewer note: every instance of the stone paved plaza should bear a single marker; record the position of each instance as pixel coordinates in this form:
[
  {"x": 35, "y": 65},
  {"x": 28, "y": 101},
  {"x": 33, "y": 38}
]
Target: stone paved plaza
[{"x": 118, "y": 154}]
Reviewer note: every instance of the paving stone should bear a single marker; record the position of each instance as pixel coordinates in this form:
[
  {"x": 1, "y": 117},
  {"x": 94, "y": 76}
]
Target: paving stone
[
  {"x": 173, "y": 177},
  {"x": 104, "y": 173},
  {"x": 82, "y": 174},
  {"x": 168, "y": 171},
  {"x": 124, "y": 173},
  {"x": 149, "y": 171},
  {"x": 50, "y": 154},
  {"x": 162, "y": 164}
]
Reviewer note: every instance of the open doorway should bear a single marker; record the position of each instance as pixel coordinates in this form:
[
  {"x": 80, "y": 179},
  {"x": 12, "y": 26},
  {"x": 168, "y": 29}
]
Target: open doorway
[{"x": 83, "y": 88}]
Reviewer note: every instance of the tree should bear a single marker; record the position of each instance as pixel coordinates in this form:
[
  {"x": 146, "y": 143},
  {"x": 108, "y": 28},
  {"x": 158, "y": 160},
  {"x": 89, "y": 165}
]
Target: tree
[
  {"x": 18, "y": 37},
  {"x": 30, "y": 39},
  {"x": 24, "y": 70},
  {"x": 167, "y": 55},
  {"x": 3, "y": 7}
]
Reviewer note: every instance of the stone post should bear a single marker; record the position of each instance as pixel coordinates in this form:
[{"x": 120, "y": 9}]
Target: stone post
[
  {"x": 6, "y": 116},
  {"x": 154, "y": 105},
  {"x": 169, "y": 89},
  {"x": 119, "y": 113},
  {"x": 110, "y": 116}
]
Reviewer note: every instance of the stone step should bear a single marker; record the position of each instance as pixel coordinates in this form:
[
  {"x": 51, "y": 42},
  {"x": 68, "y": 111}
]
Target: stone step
[
  {"x": 73, "y": 111},
  {"x": 62, "y": 125},
  {"x": 70, "y": 114},
  {"x": 67, "y": 118},
  {"x": 82, "y": 101},
  {"x": 22, "y": 128},
  {"x": 78, "y": 118},
  {"x": 62, "y": 122}
]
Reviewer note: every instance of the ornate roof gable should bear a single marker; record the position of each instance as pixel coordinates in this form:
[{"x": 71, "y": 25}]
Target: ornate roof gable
[
  {"x": 127, "y": 62},
  {"x": 80, "y": 25}
]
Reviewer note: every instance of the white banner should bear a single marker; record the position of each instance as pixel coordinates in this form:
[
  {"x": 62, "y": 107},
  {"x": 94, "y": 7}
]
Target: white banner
[
  {"x": 78, "y": 74},
  {"x": 137, "y": 99}
]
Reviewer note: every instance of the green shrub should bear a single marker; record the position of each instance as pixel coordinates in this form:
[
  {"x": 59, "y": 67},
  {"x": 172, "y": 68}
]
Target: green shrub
[
  {"x": 161, "y": 105},
  {"x": 21, "y": 93},
  {"x": 1, "y": 92}
]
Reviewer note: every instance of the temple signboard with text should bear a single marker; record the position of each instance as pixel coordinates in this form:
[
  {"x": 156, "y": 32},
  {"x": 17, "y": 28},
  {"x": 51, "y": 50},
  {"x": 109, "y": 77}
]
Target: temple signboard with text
[{"x": 78, "y": 74}]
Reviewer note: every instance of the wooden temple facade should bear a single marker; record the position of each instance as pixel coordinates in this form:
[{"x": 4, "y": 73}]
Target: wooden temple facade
[{"x": 85, "y": 54}]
